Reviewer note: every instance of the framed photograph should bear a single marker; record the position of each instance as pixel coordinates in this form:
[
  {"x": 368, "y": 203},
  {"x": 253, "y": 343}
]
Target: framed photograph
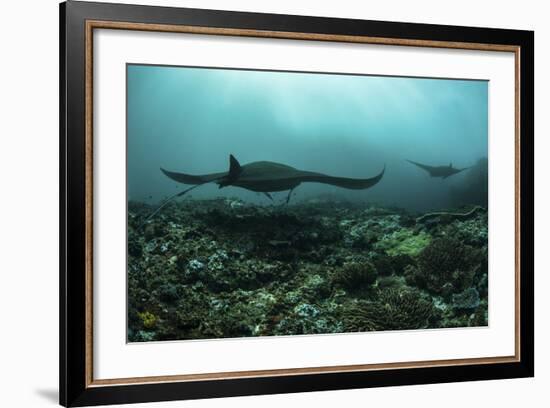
[{"x": 256, "y": 203}]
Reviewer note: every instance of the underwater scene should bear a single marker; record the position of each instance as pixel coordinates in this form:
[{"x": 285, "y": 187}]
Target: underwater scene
[{"x": 269, "y": 203}]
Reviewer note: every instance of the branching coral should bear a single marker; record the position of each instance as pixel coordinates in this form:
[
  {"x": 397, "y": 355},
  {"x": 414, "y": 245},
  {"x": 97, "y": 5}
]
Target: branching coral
[
  {"x": 354, "y": 276},
  {"x": 392, "y": 310},
  {"x": 446, "y": 260},
  {"x": 387, "y": 265}
]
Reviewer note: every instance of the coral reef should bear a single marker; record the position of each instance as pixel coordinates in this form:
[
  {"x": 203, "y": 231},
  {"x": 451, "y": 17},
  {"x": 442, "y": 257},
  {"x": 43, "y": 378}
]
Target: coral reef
[
  {"x": 446, "y": 261},
  {"x": 446, "y": 216},
  {"x": 224, "y": 268},
  {"x": 391, "y": 310},
  {"x": 467, "y": 300},
  {"x": 354, "y": 276},
  {"x": 403, "y": 242}
]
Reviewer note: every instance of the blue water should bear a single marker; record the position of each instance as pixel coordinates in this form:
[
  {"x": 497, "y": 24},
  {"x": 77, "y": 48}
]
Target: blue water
[{"x": 190, "y": 119}]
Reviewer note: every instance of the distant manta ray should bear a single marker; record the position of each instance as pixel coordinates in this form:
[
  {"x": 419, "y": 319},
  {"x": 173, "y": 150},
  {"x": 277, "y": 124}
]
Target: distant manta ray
[
  {"x": 265, "y": 177},
  {"x": 439, "y": 171}
]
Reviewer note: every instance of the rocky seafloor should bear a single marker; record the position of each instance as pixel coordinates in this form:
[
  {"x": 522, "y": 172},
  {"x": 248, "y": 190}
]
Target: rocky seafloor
[{"x": 223, "y": 268}]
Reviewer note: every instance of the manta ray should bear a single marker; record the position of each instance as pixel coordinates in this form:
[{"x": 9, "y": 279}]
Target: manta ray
[
  {"x": 265, "y": 177},
  {"x": 439, "y": 171}
]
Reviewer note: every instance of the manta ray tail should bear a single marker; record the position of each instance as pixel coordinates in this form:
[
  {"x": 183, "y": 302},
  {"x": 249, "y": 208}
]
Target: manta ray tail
[
  {"x": 422, "y": 166},
  {"x": 167, "y": 201},
  {"x": 197, "y": 180}
]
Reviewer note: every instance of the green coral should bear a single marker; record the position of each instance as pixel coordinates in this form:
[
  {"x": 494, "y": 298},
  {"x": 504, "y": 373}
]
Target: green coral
[
  {"x": 148, "y": 319},
  {"x": 404, "y": 242},
  {"x": 393, "y": 309}
]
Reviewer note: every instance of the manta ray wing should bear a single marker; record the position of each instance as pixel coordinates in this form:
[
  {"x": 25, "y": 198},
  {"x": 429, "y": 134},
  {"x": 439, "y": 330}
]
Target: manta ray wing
[
  {"x": 269, "y": 177},
  {"x": 439, "y": 171},
  {"x": 193, "y": 179},
  {"x": 343, "y": 182},
  {"x": 264, "y": 177}
]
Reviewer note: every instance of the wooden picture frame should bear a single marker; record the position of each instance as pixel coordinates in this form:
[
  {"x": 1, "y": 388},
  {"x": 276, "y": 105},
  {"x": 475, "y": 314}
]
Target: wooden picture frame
[{"x": 78, "y": 20}]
